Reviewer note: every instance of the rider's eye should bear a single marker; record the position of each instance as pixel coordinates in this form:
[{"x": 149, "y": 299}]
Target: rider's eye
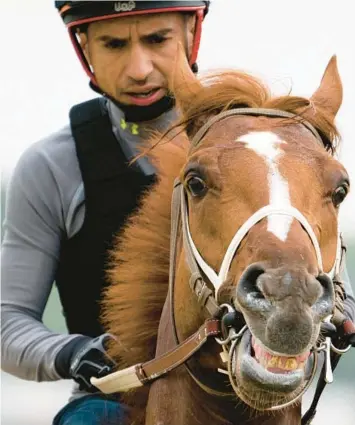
[
  {"x": 156, "y": 39},
  {"x": 196, "y": 186},
  {"x": 115, "y": 44},
  {"x": 339, "y": 194}
]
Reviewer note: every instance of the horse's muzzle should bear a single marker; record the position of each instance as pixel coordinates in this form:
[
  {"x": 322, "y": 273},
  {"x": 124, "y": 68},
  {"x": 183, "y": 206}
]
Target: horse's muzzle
[{"x": 284, "y": 307}]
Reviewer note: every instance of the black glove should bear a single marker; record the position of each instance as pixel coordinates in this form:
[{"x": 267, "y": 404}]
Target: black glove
[{"x": 84, "y": 358}]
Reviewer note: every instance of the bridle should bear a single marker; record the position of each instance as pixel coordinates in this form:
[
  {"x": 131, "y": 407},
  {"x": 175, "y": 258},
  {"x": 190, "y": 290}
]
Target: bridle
[{"x": 214, "y": 326}]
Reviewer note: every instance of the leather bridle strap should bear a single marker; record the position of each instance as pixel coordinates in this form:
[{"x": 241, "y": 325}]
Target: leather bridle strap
[
  {"x": 142, "y": 373},
  {"x": 178, "y": 355},
  {"x": 256, "y": 112},
  {"x": 205, "y": 296}
]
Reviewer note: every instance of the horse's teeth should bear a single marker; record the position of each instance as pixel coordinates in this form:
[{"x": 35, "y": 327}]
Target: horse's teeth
[
  {"x": 274, "y": 362},
  {"x": 291, "y": 364},
  {"x": 277, "y": 363}
]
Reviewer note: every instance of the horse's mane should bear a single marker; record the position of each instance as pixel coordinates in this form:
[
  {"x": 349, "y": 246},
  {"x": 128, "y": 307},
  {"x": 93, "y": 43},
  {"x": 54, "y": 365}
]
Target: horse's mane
[
  {"x": 140, "y": 259},
  {"x": 139, "y": 271},
  {"x": 227, "y": 89}
]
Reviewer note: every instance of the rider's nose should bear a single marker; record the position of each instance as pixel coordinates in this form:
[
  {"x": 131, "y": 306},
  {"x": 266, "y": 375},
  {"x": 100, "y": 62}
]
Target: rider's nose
[{"x": 140, "y": 65}]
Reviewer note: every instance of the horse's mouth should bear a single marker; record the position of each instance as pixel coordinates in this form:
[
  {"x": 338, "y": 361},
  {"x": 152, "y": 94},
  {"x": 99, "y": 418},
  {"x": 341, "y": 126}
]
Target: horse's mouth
[{"x": 265, "y": 377}]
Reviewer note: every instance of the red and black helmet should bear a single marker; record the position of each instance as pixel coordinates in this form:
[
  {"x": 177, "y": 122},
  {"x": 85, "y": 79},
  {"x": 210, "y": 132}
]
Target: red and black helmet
[{"x": 78, "y": 13}]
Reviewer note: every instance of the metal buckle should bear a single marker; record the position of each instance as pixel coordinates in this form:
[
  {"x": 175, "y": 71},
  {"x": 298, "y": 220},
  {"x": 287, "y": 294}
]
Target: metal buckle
[{"x": 327, "y": 346}]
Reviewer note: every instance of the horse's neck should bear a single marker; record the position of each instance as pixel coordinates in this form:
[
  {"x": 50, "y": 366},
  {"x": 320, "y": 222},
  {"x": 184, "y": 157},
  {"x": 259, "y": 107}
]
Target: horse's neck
[
  {"x": 176, "y": 399},
  {"x": 166, "y": 394}
]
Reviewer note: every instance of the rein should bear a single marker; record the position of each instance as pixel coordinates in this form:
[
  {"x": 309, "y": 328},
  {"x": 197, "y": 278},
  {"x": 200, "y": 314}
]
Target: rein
[{"x": 215, "y": 325}]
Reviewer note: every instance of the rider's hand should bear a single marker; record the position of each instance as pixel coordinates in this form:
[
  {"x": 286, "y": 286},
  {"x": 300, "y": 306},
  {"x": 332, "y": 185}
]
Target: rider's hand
[
  {"x": 83, "y": 358},
  {"x": 342, "y": 335}
]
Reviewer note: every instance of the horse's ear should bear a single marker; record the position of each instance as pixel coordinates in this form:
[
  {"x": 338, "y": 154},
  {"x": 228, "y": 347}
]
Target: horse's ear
[
  {"x": 183, "y": 82},
  {"x": 329, "y": 94}
]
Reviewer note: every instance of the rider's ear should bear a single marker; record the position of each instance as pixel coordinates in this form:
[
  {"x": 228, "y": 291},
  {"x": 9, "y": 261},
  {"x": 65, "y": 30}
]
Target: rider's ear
[
  {"x": 190, "y": 23},
  {"x": 329, "y": 95},
  {"x": 83, "y": 40}
]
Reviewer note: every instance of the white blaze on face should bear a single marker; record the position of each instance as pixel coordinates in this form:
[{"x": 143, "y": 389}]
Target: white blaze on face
[{"x": 267, "y": 145}]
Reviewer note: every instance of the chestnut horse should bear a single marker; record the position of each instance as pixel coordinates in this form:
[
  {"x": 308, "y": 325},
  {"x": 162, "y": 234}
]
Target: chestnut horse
[{"x": 252, "y": 231}]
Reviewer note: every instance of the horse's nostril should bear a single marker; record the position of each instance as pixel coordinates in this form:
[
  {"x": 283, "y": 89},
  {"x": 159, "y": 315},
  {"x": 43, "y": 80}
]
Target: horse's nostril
[
  {"x": 324, "y": 304},
  {"x": 248, "y": 290},
  {"x": 327, "y": 285}
]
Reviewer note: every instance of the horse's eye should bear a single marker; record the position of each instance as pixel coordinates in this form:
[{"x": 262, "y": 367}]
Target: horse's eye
[
  {"x": 339, "y": 194},
  {"x": 196, "y": 186}
]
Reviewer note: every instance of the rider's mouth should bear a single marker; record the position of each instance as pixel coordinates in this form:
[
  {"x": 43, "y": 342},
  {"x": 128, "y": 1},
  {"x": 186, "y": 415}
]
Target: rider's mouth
[
  {"x": 143, "y": 94},
  {"x": 145, "y": 97},
  {"x": 266, "y": 370}
]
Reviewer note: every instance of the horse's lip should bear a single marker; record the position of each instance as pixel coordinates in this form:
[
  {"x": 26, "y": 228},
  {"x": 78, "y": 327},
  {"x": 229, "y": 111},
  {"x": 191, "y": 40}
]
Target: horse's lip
[{"x": 254, "y": 373}]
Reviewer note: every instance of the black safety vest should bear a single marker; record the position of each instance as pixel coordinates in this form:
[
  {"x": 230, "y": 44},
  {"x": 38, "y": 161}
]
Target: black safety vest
[{"x": 112, "y": 191}]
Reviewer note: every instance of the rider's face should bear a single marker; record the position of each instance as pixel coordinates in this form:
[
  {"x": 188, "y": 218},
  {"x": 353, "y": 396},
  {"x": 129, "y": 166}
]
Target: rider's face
[{"x": 132, "y": 57}]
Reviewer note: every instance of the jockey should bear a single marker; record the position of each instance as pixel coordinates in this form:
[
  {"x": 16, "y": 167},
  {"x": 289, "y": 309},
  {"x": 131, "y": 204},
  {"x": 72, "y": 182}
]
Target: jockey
[{"x": 72, "y": 191}]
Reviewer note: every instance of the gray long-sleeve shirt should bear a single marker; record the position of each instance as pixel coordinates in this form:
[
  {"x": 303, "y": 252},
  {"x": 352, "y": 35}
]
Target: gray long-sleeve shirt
[{"x": 46, "y": 201}]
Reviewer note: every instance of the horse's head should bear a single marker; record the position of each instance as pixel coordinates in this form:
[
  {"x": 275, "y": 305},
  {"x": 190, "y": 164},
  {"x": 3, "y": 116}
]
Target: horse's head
[{"x": 261, "y": 197}]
